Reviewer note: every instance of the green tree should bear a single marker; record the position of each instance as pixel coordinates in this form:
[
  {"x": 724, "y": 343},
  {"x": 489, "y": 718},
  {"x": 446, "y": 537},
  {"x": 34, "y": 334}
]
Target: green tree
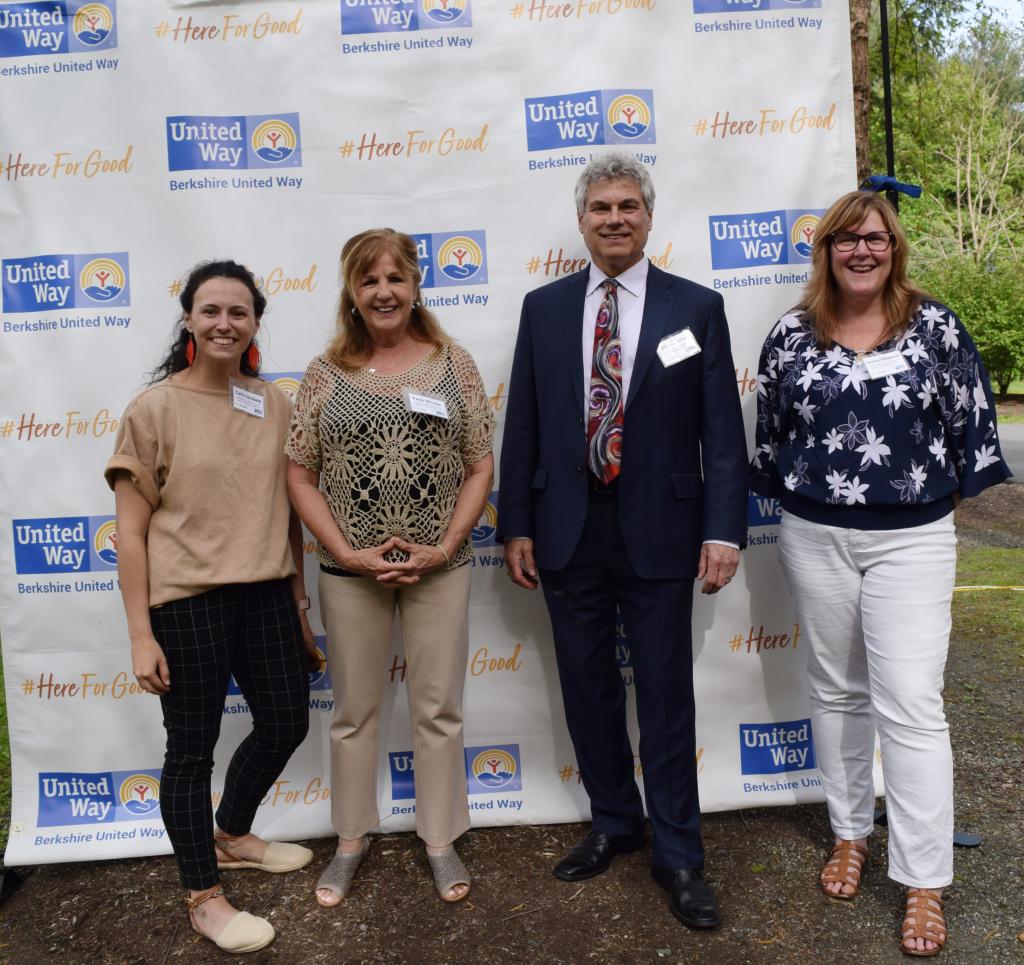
[
  {"x": 989, "y": 298},
  {"x": 959, "y": 133}
]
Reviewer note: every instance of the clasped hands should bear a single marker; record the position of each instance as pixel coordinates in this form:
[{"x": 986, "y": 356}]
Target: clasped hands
[{"x": 422, "y": 559}]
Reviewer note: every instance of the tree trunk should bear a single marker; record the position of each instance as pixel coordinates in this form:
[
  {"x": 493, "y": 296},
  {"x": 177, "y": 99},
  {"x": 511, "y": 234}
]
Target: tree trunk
[{"x": 860, "y": 13}]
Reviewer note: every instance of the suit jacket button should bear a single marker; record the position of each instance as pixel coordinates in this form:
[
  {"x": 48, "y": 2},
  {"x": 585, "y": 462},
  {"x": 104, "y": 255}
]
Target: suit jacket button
[{"x": 579, "y": 469}]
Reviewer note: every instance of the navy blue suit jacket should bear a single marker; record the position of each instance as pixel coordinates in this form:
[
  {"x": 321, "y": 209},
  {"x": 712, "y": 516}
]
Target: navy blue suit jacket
[{"x": 683, "y": 478}]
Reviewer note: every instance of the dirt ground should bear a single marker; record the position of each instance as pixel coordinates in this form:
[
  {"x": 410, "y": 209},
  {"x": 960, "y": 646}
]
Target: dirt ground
[{"x": 762, "y": 863}]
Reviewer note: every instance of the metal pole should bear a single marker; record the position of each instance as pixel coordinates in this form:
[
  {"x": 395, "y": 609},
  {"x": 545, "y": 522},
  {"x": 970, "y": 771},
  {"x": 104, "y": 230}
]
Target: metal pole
[{"x": 890, "y": 156}]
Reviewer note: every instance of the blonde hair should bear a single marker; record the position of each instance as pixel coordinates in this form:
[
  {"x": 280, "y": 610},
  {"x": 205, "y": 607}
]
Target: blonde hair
[
  {"x": 820, "y": 301},
  {"x": 351, "y": 345}
]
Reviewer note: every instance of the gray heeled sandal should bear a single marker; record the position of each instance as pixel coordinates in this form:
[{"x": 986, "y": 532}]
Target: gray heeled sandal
[
  {"x": 337, "y": 876},
  {"x": 449, "y": 871}
]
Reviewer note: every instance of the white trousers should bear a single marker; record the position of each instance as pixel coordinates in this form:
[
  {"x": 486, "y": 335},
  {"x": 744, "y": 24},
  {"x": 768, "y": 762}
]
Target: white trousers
[{"x": 874, "y": 607}]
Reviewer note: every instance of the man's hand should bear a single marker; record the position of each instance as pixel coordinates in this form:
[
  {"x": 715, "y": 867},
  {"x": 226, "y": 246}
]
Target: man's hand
[
  {"x": 717, "y": 566},
  {"x": 519, "y": 562}
]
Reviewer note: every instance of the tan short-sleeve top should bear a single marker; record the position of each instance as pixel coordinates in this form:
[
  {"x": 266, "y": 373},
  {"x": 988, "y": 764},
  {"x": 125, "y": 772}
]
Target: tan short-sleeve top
[
  {"x": 386, "y": 471},
  {"x": 215, "y": 479}
]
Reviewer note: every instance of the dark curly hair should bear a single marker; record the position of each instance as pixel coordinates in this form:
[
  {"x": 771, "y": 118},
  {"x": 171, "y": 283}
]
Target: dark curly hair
[{"x": 175, "y": 360}]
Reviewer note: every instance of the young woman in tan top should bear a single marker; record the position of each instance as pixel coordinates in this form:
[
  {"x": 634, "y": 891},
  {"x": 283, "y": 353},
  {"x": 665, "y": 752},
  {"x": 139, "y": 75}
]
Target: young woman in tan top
[
  {"x": 210, "y": 566},
  {"x": 390, "y": 467}
]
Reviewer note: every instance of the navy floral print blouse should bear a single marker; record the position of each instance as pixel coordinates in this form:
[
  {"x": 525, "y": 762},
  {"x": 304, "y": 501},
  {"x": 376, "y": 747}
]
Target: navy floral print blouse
[{"x": 843, "y": 449}]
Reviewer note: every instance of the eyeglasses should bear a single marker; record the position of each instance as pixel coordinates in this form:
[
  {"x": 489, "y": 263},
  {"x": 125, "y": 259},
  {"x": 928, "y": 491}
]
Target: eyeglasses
[{"x": 848, "y": 240}]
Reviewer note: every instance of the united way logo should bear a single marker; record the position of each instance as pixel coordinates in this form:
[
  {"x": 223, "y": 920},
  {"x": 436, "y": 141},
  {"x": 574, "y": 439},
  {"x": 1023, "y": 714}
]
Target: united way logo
[
  {"x": 494, "y": 768},
  {"x": 65, "y": 544},
  {"x": 104, "y": 542},
  {"x": 287, "y": 382},
  {"x": 43, "y": 283},
  {"x": 752, "y": 6},
  {"x": 140, "y": 794},
  {"x": 70, "y": 797},
  {"x": 763, "y": 510},
  {"x": 57, "y": 27},
  {"x": 444, "y": 13},
  {"x": 274, "y": 140},
  {"x": 776, "y": 748},
  {"x": 783, "y": 237},
  {"x": 483, "y": 533},
  {"x": 452, "y": 258},
  {"x": 92, "y": 24},
  {"x": 629, "y": 116},
  {"x": 102, "y": 280},
  {"x": 396, "y": 16},
  {"x": 801, "y": 234},
  {"x": 233, "y": 143},
  {"x": 589, "y": 118}
]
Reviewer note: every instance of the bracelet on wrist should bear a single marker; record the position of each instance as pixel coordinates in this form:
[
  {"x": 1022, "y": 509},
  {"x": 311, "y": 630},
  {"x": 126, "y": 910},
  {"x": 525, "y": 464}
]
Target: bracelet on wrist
[
  {"x": 302, "y": 604},
  {"x": 447, "y": 558}
]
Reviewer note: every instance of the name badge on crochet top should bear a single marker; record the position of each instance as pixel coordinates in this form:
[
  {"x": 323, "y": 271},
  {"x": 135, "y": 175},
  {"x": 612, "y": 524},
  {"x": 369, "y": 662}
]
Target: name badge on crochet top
[{"x": 425, "y": 403}]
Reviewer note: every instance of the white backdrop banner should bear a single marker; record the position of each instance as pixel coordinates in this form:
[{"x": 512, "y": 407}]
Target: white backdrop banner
[{"x": 139, "y": 138}]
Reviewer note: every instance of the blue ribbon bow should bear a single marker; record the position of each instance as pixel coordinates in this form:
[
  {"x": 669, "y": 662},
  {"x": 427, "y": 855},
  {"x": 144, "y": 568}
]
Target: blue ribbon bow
[{"x": 882, "y": 182}]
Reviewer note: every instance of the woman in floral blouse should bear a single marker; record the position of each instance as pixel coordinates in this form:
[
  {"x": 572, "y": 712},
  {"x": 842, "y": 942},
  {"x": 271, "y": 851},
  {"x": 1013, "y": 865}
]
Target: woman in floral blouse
[
  {"x": 390, "y": 466},
  {"x": 874, "y": 418}
]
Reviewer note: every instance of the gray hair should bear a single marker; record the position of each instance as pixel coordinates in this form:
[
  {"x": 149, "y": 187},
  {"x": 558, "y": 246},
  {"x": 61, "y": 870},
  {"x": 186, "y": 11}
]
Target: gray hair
[{"x": 615, "y": 164}]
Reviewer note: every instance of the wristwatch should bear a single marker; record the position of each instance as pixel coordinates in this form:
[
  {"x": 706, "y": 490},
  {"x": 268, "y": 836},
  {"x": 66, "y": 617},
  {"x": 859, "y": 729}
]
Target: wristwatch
[{"x": 302, "y": 604}]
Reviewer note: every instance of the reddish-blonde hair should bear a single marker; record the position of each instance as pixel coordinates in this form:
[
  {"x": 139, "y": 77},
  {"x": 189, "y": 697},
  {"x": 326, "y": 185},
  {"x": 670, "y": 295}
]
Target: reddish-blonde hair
[
  {"x": 351, "y": 345},
  {"x": 820, "y": 301}
]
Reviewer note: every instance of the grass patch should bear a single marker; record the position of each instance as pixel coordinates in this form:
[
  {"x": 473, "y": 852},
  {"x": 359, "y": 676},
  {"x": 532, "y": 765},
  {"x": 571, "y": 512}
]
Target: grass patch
[
  {"x": 990, "y": 615},
  {"x": 1011, "y": 417}
]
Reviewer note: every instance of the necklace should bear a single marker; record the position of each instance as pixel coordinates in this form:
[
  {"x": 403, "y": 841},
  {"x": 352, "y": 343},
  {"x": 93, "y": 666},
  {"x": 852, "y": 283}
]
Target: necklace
[
  {"x": 859, "y": 357},
  {"x": 859, "y": 353},
  {"x": 395, "y": 361}
]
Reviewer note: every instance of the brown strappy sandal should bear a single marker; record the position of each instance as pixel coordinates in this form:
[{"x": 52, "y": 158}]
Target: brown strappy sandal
[
  {"x": 923, "y": 919},
  {"x": 845, "y": 866}
]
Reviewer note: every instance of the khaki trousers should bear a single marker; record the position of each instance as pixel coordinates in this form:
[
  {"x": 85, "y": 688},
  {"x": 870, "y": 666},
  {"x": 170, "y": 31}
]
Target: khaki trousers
[{"x": 358, "y": 614}]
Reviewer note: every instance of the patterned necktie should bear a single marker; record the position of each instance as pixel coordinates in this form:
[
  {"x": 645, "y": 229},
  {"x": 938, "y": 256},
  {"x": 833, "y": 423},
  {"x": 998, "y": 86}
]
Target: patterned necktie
[{"x": 604, "y": 428}]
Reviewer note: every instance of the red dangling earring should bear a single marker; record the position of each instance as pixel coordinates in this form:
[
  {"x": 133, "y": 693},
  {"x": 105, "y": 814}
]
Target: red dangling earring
[
  {"x": 190, "y": 350},
  {"x": 252, "y": 356}
]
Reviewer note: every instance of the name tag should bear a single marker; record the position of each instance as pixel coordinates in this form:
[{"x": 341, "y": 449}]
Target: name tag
[
  {"x": 425, "y": 403},
  {"x": 676, "y": 347},
  {"x": 881, "y": 364},
  {"x": 245, "y": 401}
]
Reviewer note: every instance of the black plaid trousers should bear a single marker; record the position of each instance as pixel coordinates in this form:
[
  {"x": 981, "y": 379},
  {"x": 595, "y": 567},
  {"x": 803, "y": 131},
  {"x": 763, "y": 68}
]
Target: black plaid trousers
[{"x": 250, "y": 630}]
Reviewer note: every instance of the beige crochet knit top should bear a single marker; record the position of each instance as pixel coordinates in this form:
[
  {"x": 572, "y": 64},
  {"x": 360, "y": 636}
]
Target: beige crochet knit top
[{"x": 384, "y": 470}]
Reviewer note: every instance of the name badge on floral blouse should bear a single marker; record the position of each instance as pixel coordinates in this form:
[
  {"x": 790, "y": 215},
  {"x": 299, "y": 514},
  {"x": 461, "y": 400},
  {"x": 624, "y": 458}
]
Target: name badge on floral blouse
[{"x": 882, "y": 364}]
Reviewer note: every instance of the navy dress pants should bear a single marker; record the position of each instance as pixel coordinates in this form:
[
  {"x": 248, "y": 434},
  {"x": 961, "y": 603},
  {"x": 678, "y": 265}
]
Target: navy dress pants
[{"x": 582, "y": 601}]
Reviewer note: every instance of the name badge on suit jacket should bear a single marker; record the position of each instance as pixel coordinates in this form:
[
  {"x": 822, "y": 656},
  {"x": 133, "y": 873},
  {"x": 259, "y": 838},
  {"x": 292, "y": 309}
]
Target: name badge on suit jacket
[{"x": 677, "y": 346}]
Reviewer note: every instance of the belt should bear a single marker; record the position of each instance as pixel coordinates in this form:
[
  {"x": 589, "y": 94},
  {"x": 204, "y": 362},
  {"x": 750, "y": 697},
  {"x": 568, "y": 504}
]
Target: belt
[
  {"x": 334, "y": 571},
  {"x": 600, "y": 488}
]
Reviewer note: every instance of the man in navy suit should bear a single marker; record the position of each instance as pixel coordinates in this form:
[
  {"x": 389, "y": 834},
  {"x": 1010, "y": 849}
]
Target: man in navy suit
[{"x": 623, "y": 477}]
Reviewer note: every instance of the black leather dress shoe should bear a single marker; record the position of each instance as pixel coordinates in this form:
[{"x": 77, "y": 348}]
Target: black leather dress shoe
[
  {"x": 592, "y": 856},
  {"x": 692, "y": 902}
]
